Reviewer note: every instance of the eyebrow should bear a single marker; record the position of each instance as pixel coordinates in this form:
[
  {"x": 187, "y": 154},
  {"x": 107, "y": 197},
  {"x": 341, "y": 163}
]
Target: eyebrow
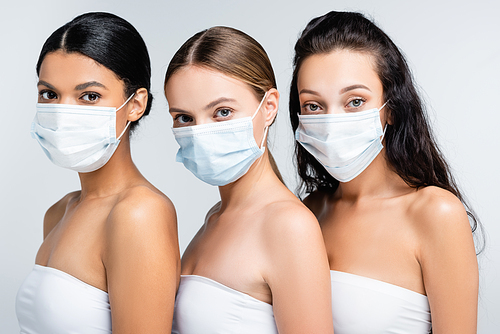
[
  {"x": 208, "y": 106},
  {"x": 349, "y": 88},
  {"x": 171, "y": 110},
  {"x": 342, "y": 91},
  {"x": 89, "y": 84},
  {"x": 219, "y": 100},
  {"x": 46, "y": 84},
  {"x": 308, "y": 91},
  {"x": 78, "y": 87}
]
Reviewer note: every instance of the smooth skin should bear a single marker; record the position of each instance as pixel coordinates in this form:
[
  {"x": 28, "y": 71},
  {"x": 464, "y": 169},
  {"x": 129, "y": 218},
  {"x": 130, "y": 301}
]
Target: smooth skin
[
  {"x": 376, "y": 225},
  {"x": 119, "y": 233},
  {"x": 259, "y": 239}
]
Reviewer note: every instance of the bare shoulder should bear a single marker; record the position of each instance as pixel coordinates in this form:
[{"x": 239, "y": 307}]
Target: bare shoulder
[
  {"x": 141, "y": 259},
  {"x": 142, "y": 209},
  {"x": 141, "y": 229},
  {"x": 289, "y": 223},
  {"x": 294, "y": 258},
  {"x": 447, "y": 258},
  {"x": 145, "y": 200},
  {"x": 55, "y": 213},
  {"x": 436, "y": 212}
]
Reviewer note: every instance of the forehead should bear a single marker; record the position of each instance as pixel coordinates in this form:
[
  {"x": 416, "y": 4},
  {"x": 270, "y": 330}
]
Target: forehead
[
  {"x": 194, "y": 86},
  {"x": 338, "y": 68},
  {"x": 61, "y": 68}
]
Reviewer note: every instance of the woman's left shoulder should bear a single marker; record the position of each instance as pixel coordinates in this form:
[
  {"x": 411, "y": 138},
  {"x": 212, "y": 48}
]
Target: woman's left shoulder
[
  {"x": 144, "y": 197},
  {"x": 142, "y": 221},
  {"x": 289, "y": 221},
  {"x": 142, "y": 207},
  {"x": 293, "y": 213},
  {"x": 438, "y": 211}
]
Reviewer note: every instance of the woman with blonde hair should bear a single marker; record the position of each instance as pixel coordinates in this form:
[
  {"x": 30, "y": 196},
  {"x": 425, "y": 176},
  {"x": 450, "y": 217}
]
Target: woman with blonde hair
[{"x": 258, "y": 263}]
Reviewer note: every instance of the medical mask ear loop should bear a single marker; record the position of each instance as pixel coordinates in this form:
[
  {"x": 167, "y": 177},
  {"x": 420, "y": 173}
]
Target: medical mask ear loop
[
  {"x": 260, "y": 105},
  {"x": 125, "y": 129},
  {"x": 128, "y": 123},
  {"x": 264, "y": 138},
  {"x": 130, "y": 97},
  {"x": 255, "y": 114},
  {"x": 385, "y": 127}
]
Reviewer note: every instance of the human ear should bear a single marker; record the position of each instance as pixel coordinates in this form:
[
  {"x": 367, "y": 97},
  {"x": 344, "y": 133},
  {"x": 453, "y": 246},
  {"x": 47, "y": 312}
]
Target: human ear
[
  {"x": 139, "y": 103},
  {"x": 271, "y": 105}
]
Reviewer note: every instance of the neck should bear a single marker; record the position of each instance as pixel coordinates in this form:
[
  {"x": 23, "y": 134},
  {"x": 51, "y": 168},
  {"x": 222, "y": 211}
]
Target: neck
[
  {"x": 377, "y": 180},
  {"x": 117, "y": 174},
  {"x": 243, "y": 190}
]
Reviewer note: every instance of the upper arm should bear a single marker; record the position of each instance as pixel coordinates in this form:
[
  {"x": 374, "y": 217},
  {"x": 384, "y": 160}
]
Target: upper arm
[
  {"x": 449, "y": 264},
  {"x": 298, "y": 273},
  {"x": 142, "y": 264}
]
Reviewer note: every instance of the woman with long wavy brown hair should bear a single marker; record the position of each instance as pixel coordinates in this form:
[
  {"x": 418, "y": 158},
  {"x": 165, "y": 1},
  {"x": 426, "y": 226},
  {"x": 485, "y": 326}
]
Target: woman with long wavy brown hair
[{"x": 395, "y": 225}]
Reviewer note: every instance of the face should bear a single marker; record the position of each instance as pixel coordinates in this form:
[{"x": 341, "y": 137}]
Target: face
[
  {"x": 197, "y": 95},
  {"x": 339, "y": 82},
  {"x": 72, "y": 78}
]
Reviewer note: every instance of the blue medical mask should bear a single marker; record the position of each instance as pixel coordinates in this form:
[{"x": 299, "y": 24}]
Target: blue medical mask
[
  {"x": 81, "y": 138},
  {"x": 345, "y": 144},
  {"x": 219, "y": 153}
]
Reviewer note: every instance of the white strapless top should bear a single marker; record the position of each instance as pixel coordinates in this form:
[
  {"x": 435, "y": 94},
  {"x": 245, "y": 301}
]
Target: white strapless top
[
  {"x": 364, "y": 305},
  {"x": 205, "y": 306},
  {"x": 51, "y": 301}
]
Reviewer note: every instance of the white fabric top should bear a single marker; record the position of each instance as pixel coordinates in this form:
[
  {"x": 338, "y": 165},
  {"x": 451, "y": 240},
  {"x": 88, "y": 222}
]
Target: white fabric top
[
  {"x": 364, "y": 305},
  {"x": 51, "y": 301},
  {"x": 205, "y": 306}
]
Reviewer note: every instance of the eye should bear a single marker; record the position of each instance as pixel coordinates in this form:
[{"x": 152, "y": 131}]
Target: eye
[
  {"x": 91, "y": 97},
  {"x": 355, "y": 103},
  {"x": 223, "y": 113},
  {"x": 183, "y": 119},
  {"x": 47, "y": 95},
  {"x": 311, "y": 108}
]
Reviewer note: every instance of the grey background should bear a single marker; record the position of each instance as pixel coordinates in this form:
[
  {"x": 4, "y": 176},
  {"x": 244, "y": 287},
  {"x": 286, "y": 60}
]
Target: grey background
[{"x": 452, "y": 46}]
